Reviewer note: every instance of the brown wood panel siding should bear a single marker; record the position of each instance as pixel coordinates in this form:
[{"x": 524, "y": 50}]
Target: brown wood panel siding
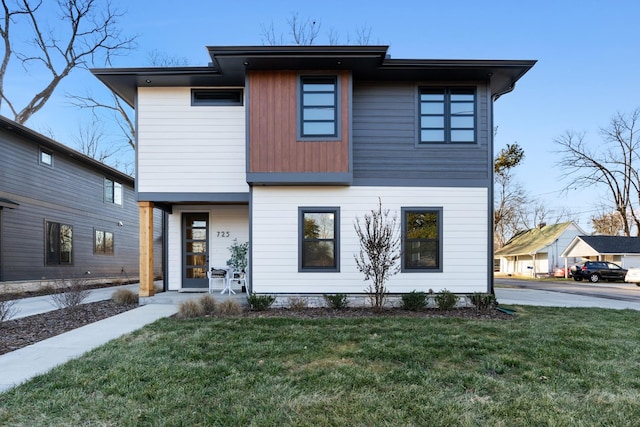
[{"x": 273, "y": 146}]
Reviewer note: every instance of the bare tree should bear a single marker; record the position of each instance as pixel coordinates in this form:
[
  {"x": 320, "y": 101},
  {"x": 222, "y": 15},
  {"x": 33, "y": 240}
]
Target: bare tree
[
  {"x": 510, "y": 197},
  {"x": 120, "y": 113},
  {"x": 608, "y": 223},
  {"x": 379, "y": 252},
  {"x": 611, "y": 165},
  {"x": 90, "y": 33},
  {"x": 306, "y": 31},
  {"x": 89, "y": 140}
]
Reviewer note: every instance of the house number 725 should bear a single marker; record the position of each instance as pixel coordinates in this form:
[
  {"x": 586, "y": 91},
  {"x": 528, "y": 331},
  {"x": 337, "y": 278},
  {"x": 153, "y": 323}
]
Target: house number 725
[{"x": 223, "y": 234}]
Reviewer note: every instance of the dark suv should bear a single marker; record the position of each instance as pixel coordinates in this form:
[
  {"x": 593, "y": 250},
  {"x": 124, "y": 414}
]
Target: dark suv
[{"x": 594, "y": 271}]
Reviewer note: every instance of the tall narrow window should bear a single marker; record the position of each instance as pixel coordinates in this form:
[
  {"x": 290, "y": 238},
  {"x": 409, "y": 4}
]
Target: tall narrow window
[
  {"x": 319, "y": 248},
  {"x": 103, "y": 242},
  {"x": 318, "y": 107},
  {"x": 447, "y": 115},
  {"x": 112, "y": 192},
  {"x": 422, "y": 239},
  {"x": 58, "y": 243}
]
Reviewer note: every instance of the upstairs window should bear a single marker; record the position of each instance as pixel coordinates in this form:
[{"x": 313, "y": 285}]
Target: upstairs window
[
  {"x": 447, "y": 115},
  {"x": 319, "y": 239},
  {"x": 112, "y": 192},
  {"x": 216, "y": 97},
  {"x": 422, "y": 239},
  {"x": 59, "y": 243},
  {"x": 318, "y": 107},
  {"x": 46, "y": 157}
]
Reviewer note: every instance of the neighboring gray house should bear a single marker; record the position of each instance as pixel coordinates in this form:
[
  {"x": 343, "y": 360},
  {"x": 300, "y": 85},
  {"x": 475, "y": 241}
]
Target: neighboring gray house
[
  {"x": 285, "y": 147},
  {"x": 624, "y": 251},
  {"x": 537, "y": 251},
  {"x": 63, "y": 214}
]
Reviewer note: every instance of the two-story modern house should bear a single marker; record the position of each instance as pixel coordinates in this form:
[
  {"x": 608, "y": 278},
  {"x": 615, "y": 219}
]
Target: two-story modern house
[
  {"x": 64, "y": 214},
  {"x": 286, "y": 146}
]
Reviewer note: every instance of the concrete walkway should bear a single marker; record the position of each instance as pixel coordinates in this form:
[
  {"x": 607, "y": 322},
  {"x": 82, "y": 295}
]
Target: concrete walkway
[{"x": 23, "y": 364}]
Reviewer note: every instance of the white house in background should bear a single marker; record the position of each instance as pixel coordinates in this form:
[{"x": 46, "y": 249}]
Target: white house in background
[
  {"x": 537, "y": 251},
  {"x": 624, "y": 251},
  {"x": 285, "y": 146}
]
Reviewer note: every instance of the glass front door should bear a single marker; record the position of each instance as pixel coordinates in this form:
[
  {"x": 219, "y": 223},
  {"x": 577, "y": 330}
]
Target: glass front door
[{"x": 195, "y": 250}]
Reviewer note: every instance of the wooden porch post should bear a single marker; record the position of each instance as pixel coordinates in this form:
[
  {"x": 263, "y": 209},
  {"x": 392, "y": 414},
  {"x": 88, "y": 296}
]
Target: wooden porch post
[{"x": 146, "y": 249}]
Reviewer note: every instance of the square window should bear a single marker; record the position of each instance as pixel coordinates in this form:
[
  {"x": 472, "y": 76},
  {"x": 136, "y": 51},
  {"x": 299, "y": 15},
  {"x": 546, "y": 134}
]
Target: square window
[
  {"x": 46, "y": 157},
  {"x": 447, "y": 115},
  {"x": 319, "y": 246},
  {"x": 103, "y": 242},
  {"x": 422, "y": 239}
]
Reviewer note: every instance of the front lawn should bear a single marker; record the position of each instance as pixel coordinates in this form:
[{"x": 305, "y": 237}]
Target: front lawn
[{"x": 547, "y": 367}]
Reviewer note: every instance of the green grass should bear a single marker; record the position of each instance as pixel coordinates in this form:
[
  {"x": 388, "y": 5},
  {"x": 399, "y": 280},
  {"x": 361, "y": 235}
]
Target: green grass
[{"x": 547, "y": 367}]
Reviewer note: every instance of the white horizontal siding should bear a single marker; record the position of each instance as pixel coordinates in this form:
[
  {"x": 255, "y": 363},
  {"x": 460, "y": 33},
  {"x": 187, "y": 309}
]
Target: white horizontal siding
[
  {"x": 189, "y": 149},
  {"x": 275, "y": 237}
]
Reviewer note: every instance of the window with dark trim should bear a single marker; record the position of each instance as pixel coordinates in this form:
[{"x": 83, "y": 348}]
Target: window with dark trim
[
  {"x": 58, "y": 243},
  {"x": 422, "y": 239},
  {"x": 319, "y": 245},
  {"x": 318, "y": 107},
  {"x": 216, "y": 97},
  {"x": 112, "y": 192},
  {"x": 447, "y": 115},
  {"x": 46, "y": 157},
  {"x": 103, "y": 242}
]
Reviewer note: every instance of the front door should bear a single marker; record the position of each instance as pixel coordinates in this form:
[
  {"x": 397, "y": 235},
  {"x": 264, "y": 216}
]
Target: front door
[{"x": 195, "y": 250}]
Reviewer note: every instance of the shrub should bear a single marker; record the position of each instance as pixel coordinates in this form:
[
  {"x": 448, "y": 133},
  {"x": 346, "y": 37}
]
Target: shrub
[
  {"x": 297, "y": 303},
  {"x": 414, "y": 300},
  {"x": 336, "y": 301},
  {"x": 8, "y": 309},
  {"x": 124, "y": 297},
  {"x": 446, "y": 300},
  {"x": 190, "y": 309},
  {"x": 229, "y": 308},
  {"x": 74, "y": 292},
  {"x": 208, "y": 303},
  {"x": 483, "y": 302},
  {"x": 260, "y": 302}
]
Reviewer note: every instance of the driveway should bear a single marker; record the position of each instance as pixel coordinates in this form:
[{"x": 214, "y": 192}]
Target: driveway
[{"x": 567, "y": 294}]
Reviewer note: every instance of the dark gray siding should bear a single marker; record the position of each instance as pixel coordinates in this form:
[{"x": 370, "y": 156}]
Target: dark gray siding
[
  {"x": 385, "y": 132},
  {"x": 69, "y": 192}
]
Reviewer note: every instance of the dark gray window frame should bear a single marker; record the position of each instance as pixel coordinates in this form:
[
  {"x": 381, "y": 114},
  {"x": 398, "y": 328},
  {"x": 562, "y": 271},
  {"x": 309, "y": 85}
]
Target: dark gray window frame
[
  {"x": 403, "y": 215},
  {"x": 231, "y": 97},
  {"x": 300, "y": 107},
  {"x": 447, "y": 91},
  {"x": 336, "y": 222},
  {"x": 42, "y": 151},
  {"x": 95, "y": 240},
  {"x": 111, "y": 196},
  {"x": 56, "y": 262}
]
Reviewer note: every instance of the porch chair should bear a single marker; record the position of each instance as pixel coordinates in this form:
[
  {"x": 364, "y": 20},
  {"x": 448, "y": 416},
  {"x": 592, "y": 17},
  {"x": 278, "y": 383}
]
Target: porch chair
[
  {"x": 217, "y": 274},
  {"x": 239, "y": 277}
]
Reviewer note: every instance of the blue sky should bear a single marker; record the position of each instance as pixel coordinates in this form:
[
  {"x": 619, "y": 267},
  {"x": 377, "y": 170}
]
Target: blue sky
[{"x": 587, "y": 52}]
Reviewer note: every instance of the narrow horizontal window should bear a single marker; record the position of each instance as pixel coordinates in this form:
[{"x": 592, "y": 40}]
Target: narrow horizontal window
[{"x": 214, "y": 97}]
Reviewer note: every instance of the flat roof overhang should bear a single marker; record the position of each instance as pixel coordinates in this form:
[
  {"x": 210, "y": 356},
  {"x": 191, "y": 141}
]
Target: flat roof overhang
[{"x": 230, "y": 65}]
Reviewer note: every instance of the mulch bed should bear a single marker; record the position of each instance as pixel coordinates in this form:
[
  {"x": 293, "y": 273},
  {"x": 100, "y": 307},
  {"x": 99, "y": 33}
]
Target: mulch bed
[{"x": 18, "y": 333}]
